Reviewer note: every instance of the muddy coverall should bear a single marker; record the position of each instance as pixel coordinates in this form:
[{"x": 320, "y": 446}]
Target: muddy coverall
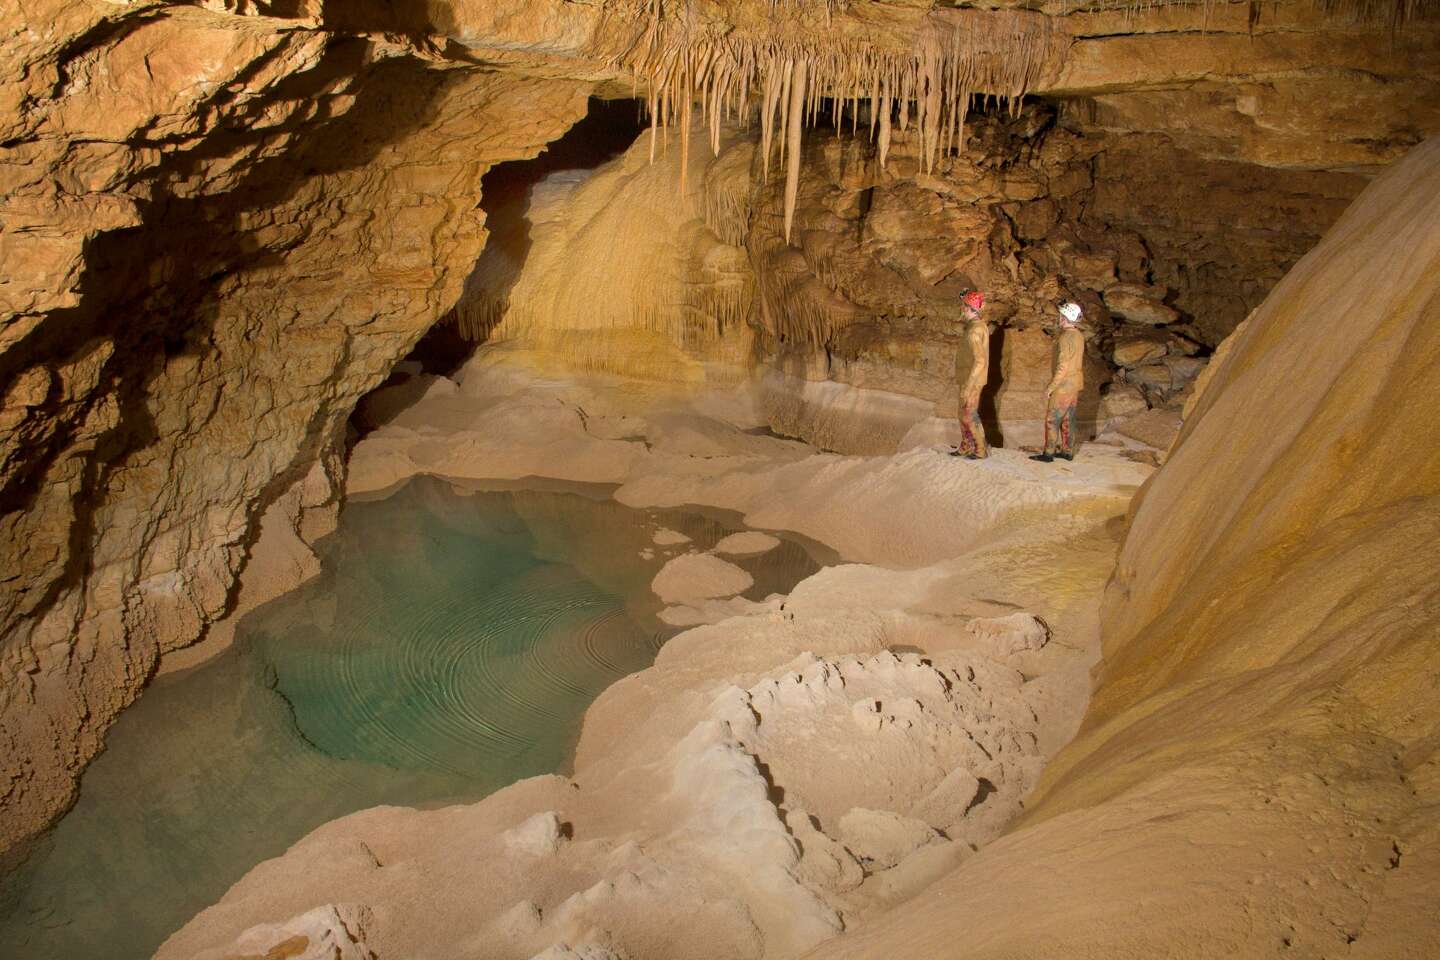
[
  {"x": 1064, "y": 391},
  {"x": 972, "y": 370}
]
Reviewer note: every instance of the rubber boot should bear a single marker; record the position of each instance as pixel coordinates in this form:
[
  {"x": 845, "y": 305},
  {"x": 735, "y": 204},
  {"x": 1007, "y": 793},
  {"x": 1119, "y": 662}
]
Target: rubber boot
[{"x": 1042, "y": 457}]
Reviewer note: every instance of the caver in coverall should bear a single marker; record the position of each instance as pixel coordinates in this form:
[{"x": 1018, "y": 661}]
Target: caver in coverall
[
  {"x": 972, "y": 370},
  {"x": 1064, "y": 391}
]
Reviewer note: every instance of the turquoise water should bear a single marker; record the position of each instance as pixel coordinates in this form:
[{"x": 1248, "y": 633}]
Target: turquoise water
[{"x": 449, "y": 648}]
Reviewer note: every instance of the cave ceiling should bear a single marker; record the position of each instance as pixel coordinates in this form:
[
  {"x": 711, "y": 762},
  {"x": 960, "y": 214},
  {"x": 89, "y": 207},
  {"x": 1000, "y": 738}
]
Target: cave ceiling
[
  {"x": 1301, "y": 84},
  {"x": 1298, "y": 83}
]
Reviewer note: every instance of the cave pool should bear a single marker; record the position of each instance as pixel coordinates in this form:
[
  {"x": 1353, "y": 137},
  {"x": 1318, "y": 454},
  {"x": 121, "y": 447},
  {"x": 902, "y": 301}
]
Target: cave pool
[{"x": 449, "y": 648}]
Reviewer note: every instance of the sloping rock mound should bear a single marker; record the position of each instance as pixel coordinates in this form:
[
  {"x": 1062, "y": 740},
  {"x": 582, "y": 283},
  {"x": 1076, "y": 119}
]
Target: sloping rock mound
[
  {"x": 1258, "y": 773},
  {"x": 699, "y": 576}
]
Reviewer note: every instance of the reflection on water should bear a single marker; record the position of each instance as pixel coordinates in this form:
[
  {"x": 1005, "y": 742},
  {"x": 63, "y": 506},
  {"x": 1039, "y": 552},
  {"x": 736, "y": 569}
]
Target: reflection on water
[{"x": 449, "y": 648}]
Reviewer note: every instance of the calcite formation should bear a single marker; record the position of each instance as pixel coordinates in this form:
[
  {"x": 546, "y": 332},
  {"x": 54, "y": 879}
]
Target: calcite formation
[
  {"x": 628, "y": 273},
  {"x": 695, "y": 577}
]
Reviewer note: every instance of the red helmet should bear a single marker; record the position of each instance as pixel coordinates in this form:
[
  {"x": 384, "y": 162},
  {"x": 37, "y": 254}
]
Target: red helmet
[{"x": 975, "y": 300}]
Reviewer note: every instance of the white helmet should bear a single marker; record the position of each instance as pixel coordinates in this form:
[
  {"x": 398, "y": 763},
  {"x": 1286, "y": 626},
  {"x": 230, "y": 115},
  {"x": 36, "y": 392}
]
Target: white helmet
[{"x": 1071, "y": 311}]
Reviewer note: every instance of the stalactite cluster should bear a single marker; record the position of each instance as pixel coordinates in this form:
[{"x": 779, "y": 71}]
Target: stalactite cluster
[{"x": 786, "y": 71}]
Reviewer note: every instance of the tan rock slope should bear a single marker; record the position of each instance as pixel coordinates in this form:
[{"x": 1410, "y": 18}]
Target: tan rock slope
[{"x": 1257, "y": 775}]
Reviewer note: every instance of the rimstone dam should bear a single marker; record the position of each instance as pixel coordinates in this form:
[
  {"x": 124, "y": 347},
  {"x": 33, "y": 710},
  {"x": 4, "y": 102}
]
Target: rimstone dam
[{"x": 720, "y": 479}]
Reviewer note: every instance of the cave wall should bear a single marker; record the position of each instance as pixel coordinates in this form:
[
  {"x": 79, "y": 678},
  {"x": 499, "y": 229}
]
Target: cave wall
[
  {"x": 219, "y": 232},
  {"x": 1220, "y": 233},
  {"x": 1199, "y": 152},
  {"x": 627, "y": 275},
  {"x": 1167, "y": 250}
]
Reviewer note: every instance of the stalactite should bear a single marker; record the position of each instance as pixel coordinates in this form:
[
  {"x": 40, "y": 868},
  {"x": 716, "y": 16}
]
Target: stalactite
[
  {"x": 684, "y": 60},
  {"x": 906, "y": 89},
  {"x": 792, "y": 173},
  {"x": 875, "y": 87},
  {"x": 771, "y": 86},
  {"x": 787, "y": 78},
  {"x": 884, "y": 111}
]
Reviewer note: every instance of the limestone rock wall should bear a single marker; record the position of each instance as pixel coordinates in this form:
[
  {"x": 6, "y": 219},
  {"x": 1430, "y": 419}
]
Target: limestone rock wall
[
  {"x": 1220, "y": 233},
  {"x": 218, "y": 233},
  {"x": 1296, "y": 85},
  {"x": 868, "y": 293}
]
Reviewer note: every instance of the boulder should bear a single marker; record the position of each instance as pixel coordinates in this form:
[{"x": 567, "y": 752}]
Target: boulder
[
  {"x": 1153, "y": 378},
  {"x": 1092, "y": 269},
  {"x": 1121, "y": 400},
  {"x": 539, "y": 836},
  {"x": 1139, "y": 305},
  {"x": 1013, "y": 634},
  {"x": 331, "y": 932},
  {"x": 1154, "y": 428},
  {"x": 1181, "y": 345},
  {"x": 747, "y": 543},
  {"x": 1133, "y": 352},
  {"x": 952, "y": 797},
  {"x": 696, "y": 577},
  {"x": 882, "y": 837},
  {"x": 1183, "y": 370},
  {"x": 1034, "y": 220}
]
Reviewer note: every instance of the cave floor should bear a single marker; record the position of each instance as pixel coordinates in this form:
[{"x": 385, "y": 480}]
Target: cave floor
[{"x": 784, "y": 769}]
